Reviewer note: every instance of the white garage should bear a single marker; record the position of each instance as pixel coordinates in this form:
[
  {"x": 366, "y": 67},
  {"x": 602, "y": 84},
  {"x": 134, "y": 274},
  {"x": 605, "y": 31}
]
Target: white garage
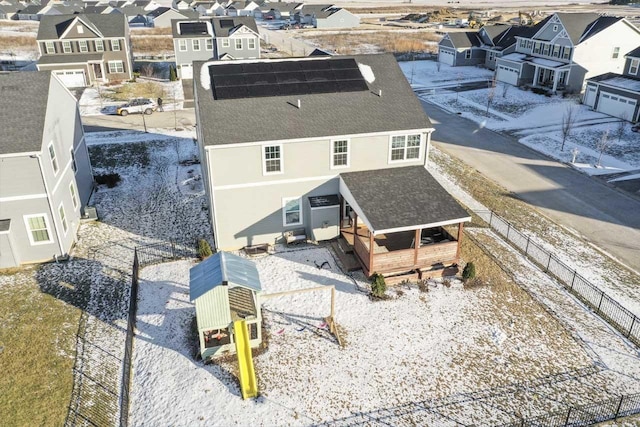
[
  {"x": 186, "y": 71},
  {"x": 72, "y": 78},
  {"x": 616, "y": 105},
  {"x": 507, "y": 75},
  {"x": 590, "y": 96},
  {"x": 446, "y": 56}
]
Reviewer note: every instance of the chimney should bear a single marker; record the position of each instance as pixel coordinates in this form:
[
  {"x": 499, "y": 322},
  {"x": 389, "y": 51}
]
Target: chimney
[{"x": 299, "y": 104}]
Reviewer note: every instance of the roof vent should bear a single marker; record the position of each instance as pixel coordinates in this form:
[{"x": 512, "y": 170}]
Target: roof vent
[
  {"x": 299, "y": 104},
  {"x": 380, "y": 93}
]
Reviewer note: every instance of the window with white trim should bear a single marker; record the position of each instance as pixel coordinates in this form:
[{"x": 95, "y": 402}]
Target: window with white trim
[
  {"x": 616, "y": 53},
  {"x": 74, "y": 165},
  {"x": 99, "y": 46},
  {"x": 83, "y": 46},
  {"x": 467, "y": 54},
  {"x": 182, "y": 45},
  {"x": 195, "y": 44},
  {"x": 54, "y": 160},
  {"x": 79, "y": 29},
  {"x": 49, "y": 47},
  {"x": 555, "y": 28},
  {"x": 116, "y": 67},
  {"x": 225, "y": 42},
  {"x": 74, "y": 195},
  {"x": 38, "y": 228},
  {"x": 272, "y": 159},
  {"x": 633, "y": 66},
  {"x": 66, "y": 47},
  {"x": 292, "y": 211},
  {"x": 405, "y": 147},
  {"x": 209, "y": 45},
  {"x": 340, "y": 153},
  {"x": 251, "y": 43},
  {"x": 238, "y": 44},
  {"x": 63, "y": 218},
  {"x": 115, "y": 45}
]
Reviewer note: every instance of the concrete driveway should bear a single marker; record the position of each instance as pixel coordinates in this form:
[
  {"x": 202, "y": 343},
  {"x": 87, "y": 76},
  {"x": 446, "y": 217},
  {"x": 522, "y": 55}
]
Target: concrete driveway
[
  {"x": 181, "y": 119},
  {"x": 604, "y": 216}
]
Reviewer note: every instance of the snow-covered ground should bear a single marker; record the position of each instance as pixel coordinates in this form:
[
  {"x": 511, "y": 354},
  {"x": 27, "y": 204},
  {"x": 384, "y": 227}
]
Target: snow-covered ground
[{"x": 535, "y": 119}]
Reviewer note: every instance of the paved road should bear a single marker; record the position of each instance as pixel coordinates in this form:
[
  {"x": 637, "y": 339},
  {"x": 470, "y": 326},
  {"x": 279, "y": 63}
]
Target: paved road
[
  {"x": 605, "y": 217},
  {"x": 182, "y": 119}
]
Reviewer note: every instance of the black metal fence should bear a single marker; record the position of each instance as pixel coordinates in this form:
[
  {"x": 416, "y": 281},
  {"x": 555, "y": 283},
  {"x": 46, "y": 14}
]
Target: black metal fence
[
  {"x": 143, "y": 256},
  {"x": 586, "y": 415},
  {"x": 623, "y": 320}
]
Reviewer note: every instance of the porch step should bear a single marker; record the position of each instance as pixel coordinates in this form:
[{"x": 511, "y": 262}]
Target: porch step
[
  {"x": 348, "y": 260},
  {"x": 344, "y": 246}
]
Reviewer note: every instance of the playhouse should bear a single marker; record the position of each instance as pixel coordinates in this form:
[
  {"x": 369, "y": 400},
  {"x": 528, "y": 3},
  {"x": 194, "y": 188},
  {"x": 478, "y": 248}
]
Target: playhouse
[{"x": 225, "y": 288}]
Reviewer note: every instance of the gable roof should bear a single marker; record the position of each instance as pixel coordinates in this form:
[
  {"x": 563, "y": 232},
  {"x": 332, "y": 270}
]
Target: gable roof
[
  {"x": 581, "y": 26},
  {"x": 465, "y": 39},
  {"x": 635, "y": 53},
  {"x": 224, "y": 26},
  {"x": 23, "y": 102},
  {"x": 320, "y": 115},
  {"x": 53, "y": 26},
  {"x": 223, "y": 269},
  {"x": 495, "y": 30}
]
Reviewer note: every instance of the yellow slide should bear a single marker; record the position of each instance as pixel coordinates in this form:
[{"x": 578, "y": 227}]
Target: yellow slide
[{"x": 248, "y": 383}]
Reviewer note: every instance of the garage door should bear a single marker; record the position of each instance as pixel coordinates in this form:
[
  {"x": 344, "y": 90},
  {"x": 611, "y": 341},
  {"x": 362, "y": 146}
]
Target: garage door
[
  {"x": 446, "y": 56},
  {"x": 617, "y": 106},
  {"x": 72, "y": 78},
  {"x": 507, "y": 75},
  {"x": 186, "y": 71},
  {"x": 590, "y": 96}
]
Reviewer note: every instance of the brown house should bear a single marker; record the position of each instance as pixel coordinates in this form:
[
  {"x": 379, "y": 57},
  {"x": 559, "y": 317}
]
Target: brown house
[{"x": 84, "y": 49}]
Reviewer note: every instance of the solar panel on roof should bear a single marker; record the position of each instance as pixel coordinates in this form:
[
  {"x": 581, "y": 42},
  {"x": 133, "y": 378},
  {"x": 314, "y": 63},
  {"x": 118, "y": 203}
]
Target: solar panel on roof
[
  {"x": 226, "y": 23},
  {"x": 261, "y": 79},
  {"x": 193, "y": 28}
]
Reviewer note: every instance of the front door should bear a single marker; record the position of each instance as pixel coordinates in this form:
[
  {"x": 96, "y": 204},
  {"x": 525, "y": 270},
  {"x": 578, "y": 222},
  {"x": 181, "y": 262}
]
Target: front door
[{"x": 97, "y": 71}]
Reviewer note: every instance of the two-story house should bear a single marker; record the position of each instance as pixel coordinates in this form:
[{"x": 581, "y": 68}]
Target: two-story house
[
  {"x": 235, "y": 38},
  {"x": 325, "y": 16},
  {"x": 335, "y": 146},
  {"x": 568, "y": 48},
  {"x": 84, "y": 49},
  {"x": 45, "y": 174},
  {"x": 192, "y": 41},
  {"x": 617, "y": 94}
]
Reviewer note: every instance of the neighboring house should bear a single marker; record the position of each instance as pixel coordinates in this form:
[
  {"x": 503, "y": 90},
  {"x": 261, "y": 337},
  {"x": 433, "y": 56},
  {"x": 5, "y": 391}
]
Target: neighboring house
[
  {"x": 499, "y": 40},
  {"x": 277, "y": 10},
  {"x": 9, "y": 11},
  {"x": 326, "y": 16},
  {"x": 84, "y": 49},
  {"x": 460, "y": 49},
  {"x": 192, "y": 41},
  {"x": 568, "y": 48},
  {"x": 182, "y": 4},
  {"x": 45, "y": 174},
  {"x": 241, "y": 8},
  {"x": 162, "y": 16},
  {"x": 235, "y": 38},
  {"x": 351, "y": 154},
  {"x": 30, "y": 13},
  {"x": 617, "y": 94},
  {"x": 209, "y": 8}
]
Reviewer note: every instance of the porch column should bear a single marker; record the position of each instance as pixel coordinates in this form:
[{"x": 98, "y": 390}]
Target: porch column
[
  {"x": 536, "y": 76},
  {"x": 460, "y": 228},
  {"x": 371, "y": 243},
  {"x": 355, "y": 227},
  {"x": 556, "y": 77},
  {"x": 341, "y": 213},
  {"x": 416, "y": 246}
]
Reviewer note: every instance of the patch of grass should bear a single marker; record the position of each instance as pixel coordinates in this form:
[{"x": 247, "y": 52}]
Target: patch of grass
[
  {"x": 164, "y": 31},
  {"x": 37, "y": 338},
  {"x": 152, "y": 45},
  {"x": 347, "y": 43},
  {"x": 128, "y": 91},
  {"x": 111, "y": 156},
  {"x": 13, "y": 42}
]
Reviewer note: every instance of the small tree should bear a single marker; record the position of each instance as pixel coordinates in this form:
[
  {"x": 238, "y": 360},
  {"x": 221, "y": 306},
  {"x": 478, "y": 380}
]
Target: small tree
[
  {"x": 438, "y": 64},
  {"x": 491, "y": 93},
  {"x": 602, "y": 145},
  {"x": 378, "y": 285},
  {"x": 173, "y": 76},
  {"x": 204, "y": 249},
  {"x": 469, "y": 272},
  {"x": 505, "y": 89},
  {"x": 568, "y": 121},
  {"x": 618, "y": 132}
]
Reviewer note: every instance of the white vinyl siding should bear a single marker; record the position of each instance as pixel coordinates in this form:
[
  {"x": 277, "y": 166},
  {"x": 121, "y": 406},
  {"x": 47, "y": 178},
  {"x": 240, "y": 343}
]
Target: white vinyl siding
[
  {"x": 616, "y": 53},
  {"x": 291, "y": 211},
  {"x": 63, "y": 218},
  {"x": 74, "y": 195},
  {"x": 272, "y": 159},
  {"x": 38, "y": 228},
  {"x": 405, "y": 147},
  {"x": 195, "y": 44},
  {"x": 50, "y": 47},
  {"x": 115, "y": 45},
  {"x": 66, "y": 47},
  {"x": 83, "y": 46},
  {"x": 182, "y": 45},
  {"x": 54, "y": 160},
  {"x": 116, "y": 67},
  {"x": 99, "y": 46},
  {"x": 340, "y": 153}
]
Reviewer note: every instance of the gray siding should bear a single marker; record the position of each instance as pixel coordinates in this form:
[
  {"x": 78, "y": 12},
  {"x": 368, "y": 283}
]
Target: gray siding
[
  {"x": 190, "y": 55},
  {"x": 547, "y": 33},
  {"x": 19, "y": 176},
  {"x": 7, "y": 256},
  {"x": 627, "y": 67},
  {"x": 340, "y": 19},
  {"x": 243, "y": 53},
  {"x": 446, "y": 43},
  {"x": 477, "y": 57}
]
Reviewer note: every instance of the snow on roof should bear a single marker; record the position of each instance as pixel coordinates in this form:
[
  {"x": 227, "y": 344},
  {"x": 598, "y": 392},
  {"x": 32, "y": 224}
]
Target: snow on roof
[
  {"x": 623, "y": 83},
  {"x": 514, "y": 57},
  {"x": 221, "y": 269},
  {"x": 547, "y": 62}
]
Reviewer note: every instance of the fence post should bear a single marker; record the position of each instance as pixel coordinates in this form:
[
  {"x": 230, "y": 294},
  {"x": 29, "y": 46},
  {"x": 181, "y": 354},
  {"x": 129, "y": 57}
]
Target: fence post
[
  {"x": 508, "y": 229},
  {"x": 619, "y": 406},
  {"x": 575, "y": 273},
  {"x": 566, "y": 422},
  {"x": 600, "y": 303},
  {"x": 526, "y": 249},
  {"x": 173, "y": 249},
  {"x": 633, "y": 322},
  {"x": 548, "y": 264},
  {"x": 490, "y": 218}
]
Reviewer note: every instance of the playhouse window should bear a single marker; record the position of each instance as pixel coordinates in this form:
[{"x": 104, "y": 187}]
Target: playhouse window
[{"x": 216, "y": 337}]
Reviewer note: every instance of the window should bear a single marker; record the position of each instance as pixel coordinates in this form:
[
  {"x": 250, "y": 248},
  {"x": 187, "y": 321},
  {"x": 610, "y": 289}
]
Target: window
[
  {"x": 195, "y": 43},
  {"x": 238, "y": 44},
  {"x": 66, "y": 47},
  {"x": 99, "y": 46},
  {"x": 83, "y": 46},
  {"x": 340, "y": 153},
  {"x": 405, "y": 147},
  {"x": 209, "y": 45},
  {"x": 252, "y": 43},
  {"x": 225, "y": 42},
  {"x": 52, "y": 156},
  {"x": 567, "y": 53},
  {"x": 63, "y": 218},
  {"x": 115, "y": 45},
  {"x": 545, "y": 52},
  {"x": 556, "y": 51},
  {"x": 116, "y": 67},
  {"x": 292, "y": 211},
  {"x": 616, "y": 53},
  {"x": 80, "y": 29},
  {"x": 523, "y": 43},
  {"x": 529, "y": 44},
  {"x": 555, "y": 28},
  {"x": 633, "y": 66},
  {"x": 49, "y": 47},
  {"x": 272, "y": 159},
  {"x": 182, "y": 45},
  {"x": 38, "y": 227},
  {"x": 74, "y": 195},
  {"x": 74, "y": 166},
  {"x": 467, "y": 53}
]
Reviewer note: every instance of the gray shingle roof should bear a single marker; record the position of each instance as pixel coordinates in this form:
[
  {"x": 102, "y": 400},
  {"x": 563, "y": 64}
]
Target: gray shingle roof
[
  {"x": 71, "y": 58},
  {"x": 635, "y": 53},
  {"x": 583, "y": 25},
  {"x": 220, "y": 31},
  {"x": 402, "y": 197},
  {"x": 465, "y": 39},
  {"x": 53, "y": 26},
  {"x": 23, "y": 102},
  {"x": 320, "y": 115}
]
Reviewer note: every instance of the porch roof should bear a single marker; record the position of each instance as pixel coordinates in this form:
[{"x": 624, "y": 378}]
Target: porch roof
[
  {"x": 399, "y": 199},
  {"x": 547, "y": 63}
]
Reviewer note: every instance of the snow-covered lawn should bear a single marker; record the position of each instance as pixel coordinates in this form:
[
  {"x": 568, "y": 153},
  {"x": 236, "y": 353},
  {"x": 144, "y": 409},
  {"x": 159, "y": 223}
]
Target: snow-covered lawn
[{"x": 425, "y": 74}]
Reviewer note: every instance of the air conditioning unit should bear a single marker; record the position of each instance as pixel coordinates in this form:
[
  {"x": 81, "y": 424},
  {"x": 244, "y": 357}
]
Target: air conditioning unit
[{"x": 90, "y": 213}]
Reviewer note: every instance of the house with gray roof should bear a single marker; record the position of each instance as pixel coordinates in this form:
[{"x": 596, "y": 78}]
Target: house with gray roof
[
  {"x": 336, "y": 146},
  {"x": 8, "y": 11},
  {"x": 325, "y": 16},
  {"x": 235, "y": 37},
  {"x": 45, "y": 174},
  {"x": 568, "y": 48},
  {"x": 84, "y": 49},
  {"x": 461, "y": 48},
  {"x": 162, "y": 16}
]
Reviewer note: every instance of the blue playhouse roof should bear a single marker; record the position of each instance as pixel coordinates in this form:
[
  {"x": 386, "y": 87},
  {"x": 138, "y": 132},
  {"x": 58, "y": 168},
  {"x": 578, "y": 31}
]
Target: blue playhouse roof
[{"x": 220, "y": 269}]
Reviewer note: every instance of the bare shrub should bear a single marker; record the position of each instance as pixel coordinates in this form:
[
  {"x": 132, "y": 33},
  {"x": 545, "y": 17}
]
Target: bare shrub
[
  {"x": 147, "y": 70},
  {"x": 568, "y": 121},
  {"x": 423, "y": 286},
  {"x": 152, "y": 45},
  {"x": 602, "y": 145}
]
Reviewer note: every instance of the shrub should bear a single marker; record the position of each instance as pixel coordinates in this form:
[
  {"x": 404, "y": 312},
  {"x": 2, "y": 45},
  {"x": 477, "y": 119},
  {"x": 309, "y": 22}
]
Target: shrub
[
  {"x": 173, "y": 76},
  {"x": 469, "y": 272},
  {"x": 108, "y": 179},
  {"x": 378, "y": 286},
  {"x": 204, "y": 249},
  {"x": 423, "y": 286}
]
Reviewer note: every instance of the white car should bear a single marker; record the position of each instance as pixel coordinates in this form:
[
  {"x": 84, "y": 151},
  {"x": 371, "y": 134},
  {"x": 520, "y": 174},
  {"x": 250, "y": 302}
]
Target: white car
[{"x": 137, "y": 105}]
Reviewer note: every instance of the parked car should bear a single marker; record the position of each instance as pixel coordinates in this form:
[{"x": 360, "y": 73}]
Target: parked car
[{"x": 137, "y": 105}]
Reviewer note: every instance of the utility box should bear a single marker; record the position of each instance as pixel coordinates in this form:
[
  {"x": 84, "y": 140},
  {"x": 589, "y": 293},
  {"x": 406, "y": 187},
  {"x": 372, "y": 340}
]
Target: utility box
[{"x": 325, "y": 217}]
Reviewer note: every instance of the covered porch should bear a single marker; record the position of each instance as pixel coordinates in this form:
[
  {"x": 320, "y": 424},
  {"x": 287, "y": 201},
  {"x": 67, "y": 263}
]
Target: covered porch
[
  {"x": 552, "y": 75},
  {"x": 396, "y": 221}
]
